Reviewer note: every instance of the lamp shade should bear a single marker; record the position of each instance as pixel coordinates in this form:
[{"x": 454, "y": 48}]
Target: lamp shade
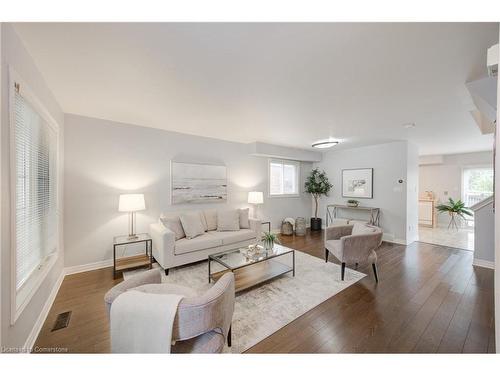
[
  {"x": 255, "y": 197},
  {"x": 131, "y": 203}
]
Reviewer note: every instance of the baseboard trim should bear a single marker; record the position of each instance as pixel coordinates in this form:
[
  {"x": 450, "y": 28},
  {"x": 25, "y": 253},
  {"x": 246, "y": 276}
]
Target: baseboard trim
[
  {"x": 397, "y": 241},
  {"x": 35, "y": 331},
  {"x": 483, "y": 263},
  {"x": 88, "y": 267}
]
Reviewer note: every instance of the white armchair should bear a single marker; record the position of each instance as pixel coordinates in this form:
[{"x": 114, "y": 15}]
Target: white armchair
[{"x": 353, "y": 244}]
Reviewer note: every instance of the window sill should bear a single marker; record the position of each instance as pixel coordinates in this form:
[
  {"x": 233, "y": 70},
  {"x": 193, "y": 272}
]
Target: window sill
[
  {"x": 22, "y": 297},
  {"x": 284, "y": 196}
]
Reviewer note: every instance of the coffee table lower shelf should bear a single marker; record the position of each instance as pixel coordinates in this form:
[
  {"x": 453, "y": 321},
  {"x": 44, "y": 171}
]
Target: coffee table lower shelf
[{"x": 252, "y": 275}]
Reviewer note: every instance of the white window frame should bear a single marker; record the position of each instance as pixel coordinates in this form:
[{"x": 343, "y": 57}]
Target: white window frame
[
  {"x": 470, "y": 167},
  {"x": 21, "y": 298},
  {"x": 297, "y": 178}
]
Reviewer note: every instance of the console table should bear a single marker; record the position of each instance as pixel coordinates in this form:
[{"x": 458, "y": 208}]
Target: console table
[{"x": 332, "y": 212}]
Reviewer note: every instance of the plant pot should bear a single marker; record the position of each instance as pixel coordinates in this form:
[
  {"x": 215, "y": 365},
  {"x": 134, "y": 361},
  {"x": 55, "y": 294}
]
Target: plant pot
[
  {"x": 315, "y": 223},
  {"x": 268, "y": 245},
  {"x": 352, "y": 204}
]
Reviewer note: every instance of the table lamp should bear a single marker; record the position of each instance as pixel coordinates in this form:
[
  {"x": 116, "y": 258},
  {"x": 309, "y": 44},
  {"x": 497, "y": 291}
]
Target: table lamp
[
  {"x": 131, "y": 203},
  {"x": 255, "y": 198}
]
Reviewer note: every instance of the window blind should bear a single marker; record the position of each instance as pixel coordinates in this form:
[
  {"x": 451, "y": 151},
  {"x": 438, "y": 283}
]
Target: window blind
[
  {"x": 283, "y": 177},
  {"x": 36, "y": 189}
]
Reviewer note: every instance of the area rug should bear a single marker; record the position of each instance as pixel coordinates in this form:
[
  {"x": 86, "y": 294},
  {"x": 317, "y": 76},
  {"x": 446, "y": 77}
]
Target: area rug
[{"x": 261, "y": 311}]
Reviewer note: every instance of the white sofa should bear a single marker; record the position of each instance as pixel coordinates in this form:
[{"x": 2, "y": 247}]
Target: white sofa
[{"x": 170, "y": 253}]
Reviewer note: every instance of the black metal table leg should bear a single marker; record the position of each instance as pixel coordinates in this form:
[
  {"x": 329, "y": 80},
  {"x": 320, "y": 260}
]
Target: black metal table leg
[
  {"x": 293, "y": 267},
  {"x": 209, "y": 270}
]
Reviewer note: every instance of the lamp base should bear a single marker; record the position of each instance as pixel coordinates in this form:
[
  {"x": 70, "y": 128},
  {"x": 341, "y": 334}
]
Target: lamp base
[{"x": 133, "y": 236}]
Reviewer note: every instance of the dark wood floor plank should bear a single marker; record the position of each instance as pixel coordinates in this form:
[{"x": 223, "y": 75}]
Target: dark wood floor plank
[{"x": 429, "y": 299}]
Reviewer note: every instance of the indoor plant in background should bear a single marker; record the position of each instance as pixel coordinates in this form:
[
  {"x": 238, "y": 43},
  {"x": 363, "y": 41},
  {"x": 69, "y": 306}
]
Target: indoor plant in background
[
  {"x": 317, "y": 185},
  {"x": 454, "y": 209}
]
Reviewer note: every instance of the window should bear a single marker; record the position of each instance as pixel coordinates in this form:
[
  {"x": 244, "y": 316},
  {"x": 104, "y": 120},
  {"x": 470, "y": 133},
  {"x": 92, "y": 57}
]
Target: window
[
  {"x": 283, "y": 178},
  {"x": 477, "y": 185},
  {"x": 34, "y": 189}
]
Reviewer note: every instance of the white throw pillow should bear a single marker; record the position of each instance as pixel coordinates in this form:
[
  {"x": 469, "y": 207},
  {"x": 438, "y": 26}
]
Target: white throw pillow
[
  {"x": 192, "y": 225},
  {"x": 244, "y": 222},
  {"x": 174, "y": 224},
  {"x": 228, "y": 220},
  {"x": 211, "y": 219},
  {"x": 203, "y": 221}
]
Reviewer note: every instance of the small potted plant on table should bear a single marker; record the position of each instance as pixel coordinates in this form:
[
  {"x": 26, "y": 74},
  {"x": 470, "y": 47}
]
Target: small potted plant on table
[
  {"x": 317, "y": 185},
  {"x": 352, "y": 203},
  {"x": 269, "y": 239}
]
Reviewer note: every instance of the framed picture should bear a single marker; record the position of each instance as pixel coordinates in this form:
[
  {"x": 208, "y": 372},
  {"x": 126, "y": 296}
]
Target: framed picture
[
  {"x": 357, "y": 183},
  {"x": 198, "y": 183}
]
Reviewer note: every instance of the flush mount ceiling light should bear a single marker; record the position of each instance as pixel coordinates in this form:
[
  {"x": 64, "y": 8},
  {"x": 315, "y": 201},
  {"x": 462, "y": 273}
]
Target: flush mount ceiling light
[
  {"x": 409, "y": 125},
  {"x": 325, "y": 144}
]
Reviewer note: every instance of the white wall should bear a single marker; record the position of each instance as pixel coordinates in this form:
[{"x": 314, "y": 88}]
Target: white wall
[
  {"x": 445, "y": 179},
  {"x": 15, "y": 55},
  {"x": 390, "y": 163},
  {"x": 412, "y": 178},
  {"x": 497, "y": 226},
  {"x": 104, "y": 159},
  {"x": 484, "y": 237}
]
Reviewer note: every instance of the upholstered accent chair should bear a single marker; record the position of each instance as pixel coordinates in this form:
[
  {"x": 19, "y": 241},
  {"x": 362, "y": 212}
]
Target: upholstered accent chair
[
  {"x": 202, "y": 323},
  {"x": 353, "y": 244}
]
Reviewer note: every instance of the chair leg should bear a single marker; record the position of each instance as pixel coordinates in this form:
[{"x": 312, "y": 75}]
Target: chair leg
[
  {"x": 229, "y": 337},
  {"x": 326, "y": 255},
  {"x": 356, "y": 266},
  {"x": 374, "y": 266},
  {"x": 166, "y": 271},
  {"x": 343, "y": 270}
]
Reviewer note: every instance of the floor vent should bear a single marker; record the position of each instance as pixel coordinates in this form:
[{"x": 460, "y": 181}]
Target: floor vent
[{"x": 62, "y": 321}]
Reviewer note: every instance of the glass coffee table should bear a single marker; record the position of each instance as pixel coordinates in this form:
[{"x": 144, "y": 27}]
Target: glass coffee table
[{"x": 251, "y": 270}]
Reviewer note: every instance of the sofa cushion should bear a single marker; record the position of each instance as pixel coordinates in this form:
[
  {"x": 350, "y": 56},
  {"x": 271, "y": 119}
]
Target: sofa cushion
[
  {"x": 228, "y": 220},
  {"x": 231, "y": 237},
  {"x": 192, "y": 224},
  {"x": 210, "y": 219},
  {"x": 360, "y": 228},
  {"x": 174, "y": 224},
  {"x": 205, "y": 241},
  {"x": 167, "y": 288},
  {"x": 244, "y": 222}
]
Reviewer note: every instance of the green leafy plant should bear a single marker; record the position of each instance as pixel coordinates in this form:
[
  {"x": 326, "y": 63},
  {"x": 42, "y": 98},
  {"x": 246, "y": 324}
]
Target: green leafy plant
[
  {"x": 353, "y": 201},
  {"x": 317, "y": 185},
  {"x": 454, "y": 209},
  {"x": 269, "y": 239}
]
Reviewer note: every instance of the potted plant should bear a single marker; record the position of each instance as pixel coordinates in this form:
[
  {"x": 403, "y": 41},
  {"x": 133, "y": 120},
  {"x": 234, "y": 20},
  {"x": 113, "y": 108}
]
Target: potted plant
[
  {"x": 317, "y": 185},
  {"x": 269, "y": 239},
  {"x": 454, "y": 209},
  {"x": 352, "y": 203}
]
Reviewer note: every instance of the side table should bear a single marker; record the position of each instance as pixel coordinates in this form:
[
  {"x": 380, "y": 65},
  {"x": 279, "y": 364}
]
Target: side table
[{"x": 134, "y": 261}]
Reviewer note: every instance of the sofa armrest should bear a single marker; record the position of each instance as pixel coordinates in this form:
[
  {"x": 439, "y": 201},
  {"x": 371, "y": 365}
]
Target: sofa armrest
[
  {"x": 163, "y": 243},
  {"x": 143, "y": 278},
  {"x": 335, "y": 232},
  {"x": 256, "y": 226}
]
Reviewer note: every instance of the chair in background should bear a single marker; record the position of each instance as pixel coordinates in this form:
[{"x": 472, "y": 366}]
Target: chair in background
[{"x": 353, "y": 244}]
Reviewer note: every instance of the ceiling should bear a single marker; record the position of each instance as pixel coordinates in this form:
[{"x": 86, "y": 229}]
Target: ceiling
[{"x": 287, "y": 84}]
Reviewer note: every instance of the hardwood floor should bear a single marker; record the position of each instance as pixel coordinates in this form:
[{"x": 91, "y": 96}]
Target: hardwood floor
[{"x": 429, "y": 299}]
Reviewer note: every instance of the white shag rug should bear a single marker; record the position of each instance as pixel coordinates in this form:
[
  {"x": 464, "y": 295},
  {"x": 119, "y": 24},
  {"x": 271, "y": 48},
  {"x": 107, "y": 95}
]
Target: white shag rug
[{"x": 261, "y": 311}]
